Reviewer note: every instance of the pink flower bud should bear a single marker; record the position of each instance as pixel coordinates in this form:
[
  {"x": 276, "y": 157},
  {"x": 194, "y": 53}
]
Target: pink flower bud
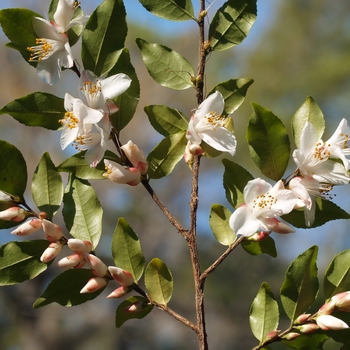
[
  {"x": 15, "y": 214},
  {"x": 94, "y": 284},
  {"x": 329, "y": 322},
  {"x": 342, "y": 301},
  {"x": 28, "y": 227},
  {"x": 76, "y": 261},
  {"x": 120, "y": 292},
  {"x": 308, "y": 328},
  {"x": 194, "y": 149},
  {"x": 259, "y": 236},
  {"x": 272, "y": 335},
  {"x": 327, "y": 308},
  {"x": 79, "y": 246},
  {"x": 51, "y": 252},
  {"x": 291, "y": 336},
  {"x": 278, "y": 226},
  {"x": 302, "y": 319},
  {"x": 123, "y": 277},
  {"x": 97, "y": 266},
  {"x": 135, "y": 307},
  {"x": 53, "y": 232},
  {"x": 135, "y": 156}
]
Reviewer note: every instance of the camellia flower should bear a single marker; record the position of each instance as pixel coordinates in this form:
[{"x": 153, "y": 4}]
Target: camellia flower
[
  {"x": 263, "y": 204},
  {"x": 207, "y": 125},
  {"x": 121, "y": 174}
]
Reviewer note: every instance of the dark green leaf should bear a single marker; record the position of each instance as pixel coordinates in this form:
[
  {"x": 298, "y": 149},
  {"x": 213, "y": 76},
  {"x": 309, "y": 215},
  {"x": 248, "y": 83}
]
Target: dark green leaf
[
  {"x": 65, "y": 289},
  {"x": 122, "y": 314},
  {"x": 47, "y": 186},
  {"x": 264, "y": 314},
  {"x": 82, "y": 211},
  {"x": 268, "y": 143},
  {"x": 174, "y": 10},
  {"x": 164, "y": 157},
  {"x": 165, "y": 120},
  {"x": 308, "y": 341},
  {"x": 126, "y": 249},
  {"x": 267, "y": 246},
  {"x": 20, "y": 261},
  {"x": 37, "y": 109},
  {"x": 232, "y": 23},
  {"x": 167, "y": 67},
  {"x": 310, "y": 112},
  {"x": 104, "y": 36},
  {"x": 159, "y": 281},
  {"x": 235, "y": 179},
  {"x": 300, "y": 286}
]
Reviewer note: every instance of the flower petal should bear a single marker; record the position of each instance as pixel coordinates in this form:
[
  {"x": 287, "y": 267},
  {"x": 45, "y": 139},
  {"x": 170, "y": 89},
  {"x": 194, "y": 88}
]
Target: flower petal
[
  {"x": 115, "y": 85},
  {"x": 214, "y": 102},
  {"x": 220, "y": 138},
  {"x": 244, "y": 223}
]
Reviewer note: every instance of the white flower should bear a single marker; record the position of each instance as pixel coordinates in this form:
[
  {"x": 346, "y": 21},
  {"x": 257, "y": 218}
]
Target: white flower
[
  {"x": 122, "y": 175},
  {"x": 207, "y": 125},
  {"x": 263, "y": 204}
]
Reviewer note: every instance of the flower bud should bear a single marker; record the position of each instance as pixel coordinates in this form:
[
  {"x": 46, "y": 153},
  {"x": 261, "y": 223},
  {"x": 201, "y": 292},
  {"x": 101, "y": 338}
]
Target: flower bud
[
  {"x": 327, "y": 308},
  {"x": 291, "y": 336},
  {"x": 136, "y": 157},
  {"x": 79, "y": 246},
  {"x": 342, "y": 301},
  {"x": 51, "y": 252},
  {"x": 329, "y": 322},
  {"x": 308, "y": 328},
  {"x": 302, "y": 319},
  {"x": 120, "y": 292},
  {"x": 94, "y": 284},
  {"x": 28, "y": 227},
  {"x": 97, "y": 266},
  {"x": 123, "y": 277},
  {"x": 53, "y": 232},
  {"x": 259, "y": 236},
  {"x": 76, "y": 261},
  {"x": 15, "y": 214}
]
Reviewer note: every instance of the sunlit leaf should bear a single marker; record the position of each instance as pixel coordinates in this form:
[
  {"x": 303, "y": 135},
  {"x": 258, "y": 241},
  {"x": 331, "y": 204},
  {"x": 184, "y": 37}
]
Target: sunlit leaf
[{"x": 266, "y": 246}]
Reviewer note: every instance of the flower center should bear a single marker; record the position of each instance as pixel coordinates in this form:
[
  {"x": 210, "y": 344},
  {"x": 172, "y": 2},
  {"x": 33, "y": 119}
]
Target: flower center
[
  {"x": 322, "y": 151},
  {"x": 264, "y": 201},
  {"x": 92, "y": 92},
  {"x": 43, "y": 49},
  {"x": 214, "y": 120},
  {"x": 70, "y": 120}
]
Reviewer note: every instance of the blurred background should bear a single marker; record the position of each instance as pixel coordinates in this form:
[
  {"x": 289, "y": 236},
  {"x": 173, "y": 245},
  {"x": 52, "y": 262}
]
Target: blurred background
[{"x": 295, "y": 49}]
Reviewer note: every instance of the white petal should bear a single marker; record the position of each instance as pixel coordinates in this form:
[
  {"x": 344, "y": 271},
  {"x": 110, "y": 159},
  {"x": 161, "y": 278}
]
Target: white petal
[
  {"x": 64, "y": 13},
  {"x": 243, "y": 222},
  {"x": 191, "y": 133},
  {"x": 68, "y": 102},
  {"x": 220, "y": 138},
  {"x": 213, "y": 103},
  {"x": 115, "y": 85},
  {"x": 86, "y": 114},
  {"x": 255, "y": 188},
  {"x": 68, "y": 136},
  {"x": 49, "y": 70},
  {"x": 44, "y": 29}
]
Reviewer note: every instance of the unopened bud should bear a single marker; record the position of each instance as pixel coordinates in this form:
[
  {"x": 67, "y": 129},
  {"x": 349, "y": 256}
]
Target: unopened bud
[
  {"x": 327, "y": 308},
  {"x": 52, "y": 231},
  {"x": 120, "y": 292},
  {"x": 308, "y": 328},
  {"x": 51, "y": 252},
  {"x": 291, "y": 336},
  {"x": 329, "y": 322},
  {"x": 79, "y": 246},
  {"x": 194, "y": 149},
  {"x": 97, "y": 266},
  {"x": 123, "y": 277},
  {"x": 27, "y": 227},
  {"x": 259, "y": 236},
  {"x": 272, "y": 335},
  {"x": 135, "y": 307},
  {"x": 76, "y": 261},
  {"x": 136, "y": 157},
  {"x": 302, "y": 319},
  {"x": 15, "y": 214},
  {"x": 94, "y": 284},
  {"x": 342, "y": 301}
]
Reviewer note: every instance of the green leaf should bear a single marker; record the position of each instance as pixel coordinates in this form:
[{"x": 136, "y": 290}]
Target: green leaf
[
  {"x": 233, "y": 92},
  {"x": 122, "y": 314},
  {"x": 47, "y": 186},
  {"x": 165, "y": 120},
  {"x": 310, "y": 112},
  {"x": 313, "y": 341},
  {"x": 17, "y": 24},
  {"x": 337, "y": 276},
  {"x": 65, "y": 289},
  {"x": 267, "y": 246},
  {"x": 174, "y": 10},
  {"x": 82, "y": 211},
  {"x": 167, "y": 67},
  {"x": 159, "y": 281},
  {"x": 235, "y": 179},
  {"x": 20, "y": 261},
  {"x": 268, "y": 143},
  {"x": 104, "y": 36},
  {"x": 232, "y": 23},
  {"x": 127, "y": 101},
  {"x": 219, "y": 224},
  {"x": 325, "y": 211},
  {"x": 300, "y": 286},
  {"x": 77, "y": 166},
  {"x": 126, "y": 249},
  {"x": 37, "y": 109},
  {"x": 164, "y": 157},
  {"x": 13, "y": 170},
  {"x": 264, "y": 314}
]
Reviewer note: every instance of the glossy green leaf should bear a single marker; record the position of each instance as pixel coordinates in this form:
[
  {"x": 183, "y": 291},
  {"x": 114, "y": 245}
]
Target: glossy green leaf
[
  {"x": 264, "y": 314},
  {"x": 17, "y": 24},
  {"x": 167, "y": 67},
  {"x": 310, "y": 112},
  {"x": 233, "y": 92},
  {"x": 267, "y": 246},
  {"x": 164, "y": 157},
  {"x": 127, "y": 101},
  {"x": 122, "y": 314},
  {"x": 308, "y": 341},
  {"x": 268, "y": 143},
  {"x": 235, "y": 179},
  {"x": 82, "y": 211},
  {"x": 300, "y": 286},
  {"x": 219, "y": 224},
  {"x": 47, "y": 186},
  {"x": 165, "y": 120},
  {"x": 13, "y": 170},
  {"x": 337, "y": 276},
  {"x": 77, "y": 166},
  {"x": 159, "y": 281},
  {"x": 232, "y": 23},
  {"x": 126, "y": 249},
  {"x": 104, "y": 36},
  {"x": 20, "y": 261},
  {"x": 174, "y": 10},
  {"x": 325, "y": 211},
  {"x": 65, "y": 289},
  {"x": 37, "y": 109}
]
